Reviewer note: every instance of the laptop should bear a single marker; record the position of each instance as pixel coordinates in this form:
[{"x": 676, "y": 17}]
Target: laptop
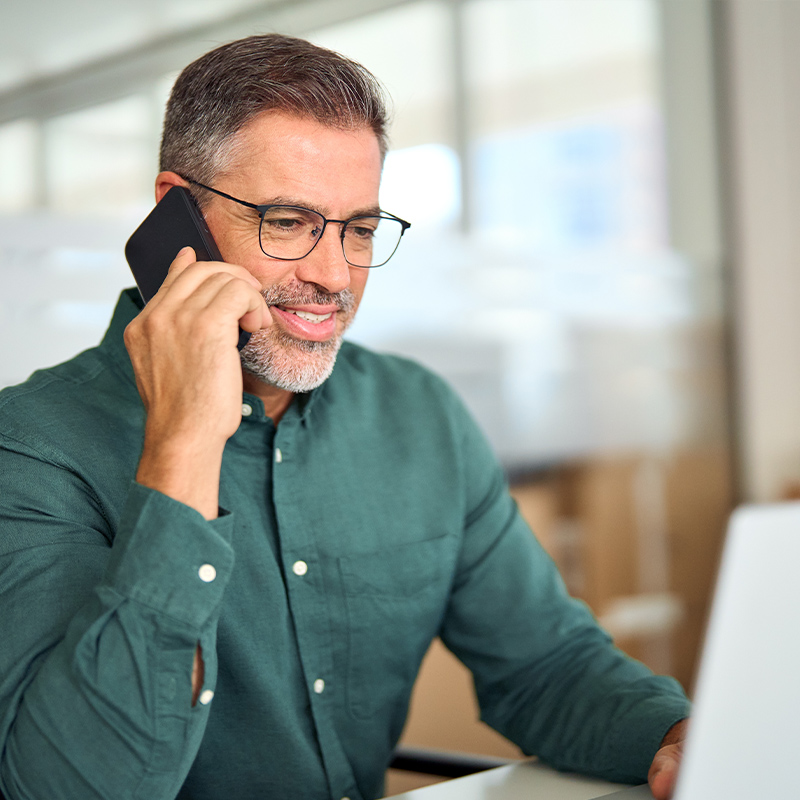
[{"x": 745, "y": 731}]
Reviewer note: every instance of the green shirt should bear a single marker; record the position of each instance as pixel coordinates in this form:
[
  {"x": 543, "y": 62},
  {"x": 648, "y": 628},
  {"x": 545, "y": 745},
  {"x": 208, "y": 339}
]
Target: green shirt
[{"x": 370, "y": 520}]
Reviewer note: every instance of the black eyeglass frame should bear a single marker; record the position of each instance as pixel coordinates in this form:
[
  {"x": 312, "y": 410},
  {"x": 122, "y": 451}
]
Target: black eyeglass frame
[{"x": 263, "y": 209}]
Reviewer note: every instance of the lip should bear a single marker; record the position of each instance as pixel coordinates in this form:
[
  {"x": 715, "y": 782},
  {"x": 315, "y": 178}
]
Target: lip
[{"x": 302, "y": 328}]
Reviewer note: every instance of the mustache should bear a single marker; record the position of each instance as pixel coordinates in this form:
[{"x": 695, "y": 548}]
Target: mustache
[{"x": 345, "y": 300}]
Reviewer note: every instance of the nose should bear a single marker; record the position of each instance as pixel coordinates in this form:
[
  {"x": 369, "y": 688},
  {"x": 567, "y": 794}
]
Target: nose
[{"x": 325, "y": 265}]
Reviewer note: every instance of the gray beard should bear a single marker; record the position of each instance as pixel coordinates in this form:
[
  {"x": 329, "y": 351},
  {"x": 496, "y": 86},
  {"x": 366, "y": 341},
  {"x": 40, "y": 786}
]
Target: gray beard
[
  {"x": 311, "y": 366},
  {"x": 295, "y": 365}
]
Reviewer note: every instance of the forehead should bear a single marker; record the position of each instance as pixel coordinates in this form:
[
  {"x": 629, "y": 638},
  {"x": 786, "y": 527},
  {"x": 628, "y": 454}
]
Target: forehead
[{"x": 279, "y": 154}]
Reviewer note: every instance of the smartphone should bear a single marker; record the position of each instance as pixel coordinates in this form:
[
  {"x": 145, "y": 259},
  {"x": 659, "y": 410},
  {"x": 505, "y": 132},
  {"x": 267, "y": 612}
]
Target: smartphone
[{"x": 176, "y": 222}]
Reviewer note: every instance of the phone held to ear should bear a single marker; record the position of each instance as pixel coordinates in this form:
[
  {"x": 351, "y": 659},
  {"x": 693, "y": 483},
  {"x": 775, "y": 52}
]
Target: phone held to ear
[{"x": 176, "y": 222}]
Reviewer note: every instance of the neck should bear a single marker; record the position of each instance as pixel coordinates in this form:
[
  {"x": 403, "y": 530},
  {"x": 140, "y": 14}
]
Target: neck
[{"x": 275, "y": 400}]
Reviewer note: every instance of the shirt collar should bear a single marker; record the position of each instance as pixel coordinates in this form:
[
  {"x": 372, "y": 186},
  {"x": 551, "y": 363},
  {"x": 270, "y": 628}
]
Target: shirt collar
[{"x": 128, "y": 306}]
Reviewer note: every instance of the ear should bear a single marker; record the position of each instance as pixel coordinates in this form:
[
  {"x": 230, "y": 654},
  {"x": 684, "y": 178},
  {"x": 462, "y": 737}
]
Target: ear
[{"x": 165, "y": 181}]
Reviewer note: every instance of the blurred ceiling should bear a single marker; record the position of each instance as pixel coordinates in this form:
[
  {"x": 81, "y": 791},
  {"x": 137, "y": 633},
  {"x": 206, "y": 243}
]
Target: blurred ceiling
[
  {"x": 60, "y": 55},
  {"x": 42, "y": 37}
]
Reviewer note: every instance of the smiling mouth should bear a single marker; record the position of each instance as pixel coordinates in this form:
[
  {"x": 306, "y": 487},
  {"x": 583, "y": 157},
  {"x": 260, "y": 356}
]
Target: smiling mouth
[{"x": 307, "y": 315}]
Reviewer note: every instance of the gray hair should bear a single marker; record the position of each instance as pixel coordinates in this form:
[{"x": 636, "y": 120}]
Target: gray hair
[{"x": 219, "y": 93}]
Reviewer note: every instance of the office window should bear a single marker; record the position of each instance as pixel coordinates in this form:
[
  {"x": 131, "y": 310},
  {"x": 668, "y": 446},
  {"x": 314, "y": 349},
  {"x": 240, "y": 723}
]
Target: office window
[
  {"x": 103, "y": 160},
  {"x": 567, "y": 125}
]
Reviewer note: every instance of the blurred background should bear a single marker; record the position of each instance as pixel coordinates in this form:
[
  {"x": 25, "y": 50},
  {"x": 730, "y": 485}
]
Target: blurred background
[{"x": 602, "y": 259}]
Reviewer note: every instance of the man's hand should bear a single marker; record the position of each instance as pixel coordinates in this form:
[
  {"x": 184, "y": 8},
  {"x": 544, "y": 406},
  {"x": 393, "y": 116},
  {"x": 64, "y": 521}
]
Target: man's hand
[
  {"x": 183, "y": 350},
  {"x": 664, "y": 770}
]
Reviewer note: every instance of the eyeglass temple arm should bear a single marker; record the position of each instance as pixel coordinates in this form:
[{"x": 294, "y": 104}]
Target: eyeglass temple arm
[{"x": 406, "y": 225}]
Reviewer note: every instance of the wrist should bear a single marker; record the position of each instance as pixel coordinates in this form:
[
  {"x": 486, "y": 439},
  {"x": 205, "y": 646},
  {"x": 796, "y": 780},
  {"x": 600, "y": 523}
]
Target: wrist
[
  {"x": 676, "y": 734},
  {"x": 187, "y": 469}
]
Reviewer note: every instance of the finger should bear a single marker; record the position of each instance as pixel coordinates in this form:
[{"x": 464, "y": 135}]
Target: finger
[
  {"x": 187, "y": 283},
  {"x": 663, "y": 774},
  {"x": 256, "y": 319},
  {"x": 222, "y": 301},
  {"x": 221, "y": 286},
  {"x": 244, "y": 302},
  {"x": 185, "y": 257},
  {"x": 186, "y": 277}
]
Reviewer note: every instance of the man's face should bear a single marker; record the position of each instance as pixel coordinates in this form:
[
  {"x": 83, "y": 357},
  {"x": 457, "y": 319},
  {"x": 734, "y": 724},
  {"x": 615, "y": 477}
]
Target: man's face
[{"x": 289, "y": 160}]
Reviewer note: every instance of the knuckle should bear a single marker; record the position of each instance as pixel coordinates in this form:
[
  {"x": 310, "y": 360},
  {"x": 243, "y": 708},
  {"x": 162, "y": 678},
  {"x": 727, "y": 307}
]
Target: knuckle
[{"x": 131, "y": 332}]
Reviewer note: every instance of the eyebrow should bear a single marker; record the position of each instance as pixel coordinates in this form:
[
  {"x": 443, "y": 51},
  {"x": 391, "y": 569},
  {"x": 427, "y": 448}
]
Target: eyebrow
[{"x": 371, "y": 211}]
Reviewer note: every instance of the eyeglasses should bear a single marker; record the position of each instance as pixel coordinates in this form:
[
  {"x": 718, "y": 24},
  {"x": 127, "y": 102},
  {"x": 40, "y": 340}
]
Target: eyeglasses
[{"x": 290, "y": 233}]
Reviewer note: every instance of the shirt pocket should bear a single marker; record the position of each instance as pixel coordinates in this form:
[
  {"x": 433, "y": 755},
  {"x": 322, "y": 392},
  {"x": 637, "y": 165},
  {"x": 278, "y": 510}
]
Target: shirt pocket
[{"x": 395, "y": 600}]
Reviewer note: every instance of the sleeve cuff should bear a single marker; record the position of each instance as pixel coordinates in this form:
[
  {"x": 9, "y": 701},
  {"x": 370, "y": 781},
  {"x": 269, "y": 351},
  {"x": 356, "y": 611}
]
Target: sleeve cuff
[
  {"x": 637, "y": 742},
  {"x": 166, "y": 555}
]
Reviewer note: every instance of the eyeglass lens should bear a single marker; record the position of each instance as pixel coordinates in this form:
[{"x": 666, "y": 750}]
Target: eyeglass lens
[{"x": 291, "y": 233}]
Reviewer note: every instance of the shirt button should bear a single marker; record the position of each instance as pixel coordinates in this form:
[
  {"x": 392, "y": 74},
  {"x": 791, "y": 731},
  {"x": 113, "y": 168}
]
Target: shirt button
[
  {"x": 319, "y": 686},
  {"x": 278, "y": 455},
  {"x": 300, "y": 568},
  {"x": 247, "y": 409},
  {"x": 206, "y": 697},
  {"x": 207, "y": 573}
]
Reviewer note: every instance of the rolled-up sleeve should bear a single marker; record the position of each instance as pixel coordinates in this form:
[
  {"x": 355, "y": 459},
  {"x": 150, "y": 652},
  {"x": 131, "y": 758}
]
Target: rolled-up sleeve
[{"x": 99, "y": 627}]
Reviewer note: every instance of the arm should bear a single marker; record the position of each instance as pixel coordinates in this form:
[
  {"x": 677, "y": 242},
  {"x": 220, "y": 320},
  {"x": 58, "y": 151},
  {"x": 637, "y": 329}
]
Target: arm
[
  {"x": 103, "y": 640},
  {"x": 182, "y": 453},
  {"x": 98, "y": 641},
  {"x": 546, "y": 675}
]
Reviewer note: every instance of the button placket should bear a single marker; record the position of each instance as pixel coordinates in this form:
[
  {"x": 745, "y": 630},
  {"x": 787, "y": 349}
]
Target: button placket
[{"x": 304, "y": 569}]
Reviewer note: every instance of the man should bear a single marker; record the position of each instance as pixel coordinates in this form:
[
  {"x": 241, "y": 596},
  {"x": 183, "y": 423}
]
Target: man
[{"x": 220, "y": 575}]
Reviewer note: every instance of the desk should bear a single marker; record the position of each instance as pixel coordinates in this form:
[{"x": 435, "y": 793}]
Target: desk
[{"x": 527, "y": 780}]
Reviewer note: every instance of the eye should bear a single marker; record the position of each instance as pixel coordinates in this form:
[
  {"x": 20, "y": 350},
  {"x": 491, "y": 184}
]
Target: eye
[
  {"x": 362, "y": 229},
  {"x": 282, "y": 221},
  {"x": 287, "y": 223}
]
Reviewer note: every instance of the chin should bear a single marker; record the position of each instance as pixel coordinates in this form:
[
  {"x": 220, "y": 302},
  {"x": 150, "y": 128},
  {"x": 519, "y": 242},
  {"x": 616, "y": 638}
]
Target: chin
[{"x": 294, "y": 365}]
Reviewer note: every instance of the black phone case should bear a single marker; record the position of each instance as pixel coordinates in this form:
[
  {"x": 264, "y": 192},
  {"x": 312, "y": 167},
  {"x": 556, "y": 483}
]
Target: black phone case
[{"x": 176, "y": 222}]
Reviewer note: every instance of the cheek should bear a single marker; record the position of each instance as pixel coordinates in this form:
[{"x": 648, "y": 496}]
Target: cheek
[
  {"x": 239, "y": 248},
  {"x": 271, "y": 273},
  {"x": 267, "y": 271},
  {"x": 238, "y": 244},
  {"x": 358, "y": 282}
]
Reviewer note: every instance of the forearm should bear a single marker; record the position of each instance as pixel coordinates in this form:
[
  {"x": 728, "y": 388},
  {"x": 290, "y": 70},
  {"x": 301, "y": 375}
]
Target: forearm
[
  {"x": 547, "y": 677},
  {"x": 609, "y": 718},
  {"x": 586, "y": 708}
]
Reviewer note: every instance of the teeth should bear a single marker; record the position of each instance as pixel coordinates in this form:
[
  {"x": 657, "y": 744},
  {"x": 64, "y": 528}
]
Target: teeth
[{"x": 307, "y": 315}]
